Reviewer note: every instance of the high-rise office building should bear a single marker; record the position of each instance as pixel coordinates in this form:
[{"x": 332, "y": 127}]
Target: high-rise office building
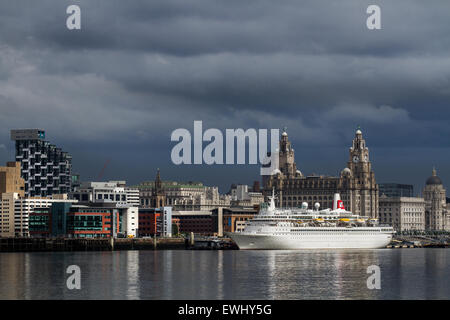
[{"x": 46, "y": 169}]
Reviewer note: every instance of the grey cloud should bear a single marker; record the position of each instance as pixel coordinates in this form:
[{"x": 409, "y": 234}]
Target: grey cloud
[
  {"x": 138, "y": 70},
  {"x": 381, "y": 114},
  {"x": 198, "y": 27}
]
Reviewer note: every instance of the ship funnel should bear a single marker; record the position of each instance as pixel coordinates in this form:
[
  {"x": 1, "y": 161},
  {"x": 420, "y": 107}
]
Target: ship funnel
[{"x": 337, "y": 202}]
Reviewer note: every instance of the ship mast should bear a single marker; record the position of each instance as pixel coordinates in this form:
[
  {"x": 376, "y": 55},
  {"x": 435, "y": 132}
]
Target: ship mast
[{"x": 272, "y": 201}]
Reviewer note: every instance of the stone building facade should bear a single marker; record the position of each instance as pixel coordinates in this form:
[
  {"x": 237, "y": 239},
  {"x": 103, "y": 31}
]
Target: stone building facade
[
  {"x": 181, "y": 196},
  {"x": 356, "y": 183},
  {"x": 436, "y": 214},
  {"x": 11, "y": 180},
  {"x": 403, "y": 213}
]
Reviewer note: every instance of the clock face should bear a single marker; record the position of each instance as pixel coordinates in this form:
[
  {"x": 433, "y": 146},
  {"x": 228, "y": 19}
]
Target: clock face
[{"x": 355, "y": 159}]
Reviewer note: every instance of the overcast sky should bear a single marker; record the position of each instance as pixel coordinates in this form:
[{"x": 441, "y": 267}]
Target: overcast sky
[{"x": 137, "y": 70}]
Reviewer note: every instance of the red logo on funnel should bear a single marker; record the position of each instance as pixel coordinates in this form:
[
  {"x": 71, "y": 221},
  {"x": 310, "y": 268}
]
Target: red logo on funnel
[{"x": 340, "y": 204}]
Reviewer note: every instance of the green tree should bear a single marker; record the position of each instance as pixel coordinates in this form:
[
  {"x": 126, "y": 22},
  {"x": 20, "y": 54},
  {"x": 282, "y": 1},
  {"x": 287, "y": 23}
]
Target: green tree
[{"x": 175, "y": 230}]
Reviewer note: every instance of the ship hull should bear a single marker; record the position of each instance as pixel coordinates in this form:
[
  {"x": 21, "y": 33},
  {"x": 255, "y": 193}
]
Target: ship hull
[{"x": 247, "y": 241}]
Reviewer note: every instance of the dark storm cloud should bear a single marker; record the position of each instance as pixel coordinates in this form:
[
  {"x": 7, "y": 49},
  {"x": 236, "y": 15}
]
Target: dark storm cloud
[
  {"x": 199, "y": 27},
  {"x": 138, "y": 70}
]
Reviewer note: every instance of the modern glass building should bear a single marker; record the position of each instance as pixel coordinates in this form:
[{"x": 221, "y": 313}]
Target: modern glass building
[
  {"x": 79, "y": 221},
  {"x": 396, "y": 190}
]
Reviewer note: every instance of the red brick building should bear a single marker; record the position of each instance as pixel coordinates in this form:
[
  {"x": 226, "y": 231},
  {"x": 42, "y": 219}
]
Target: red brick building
[
  {"x": 148, "y": 221},
  {"x": 199, "y": 222}
]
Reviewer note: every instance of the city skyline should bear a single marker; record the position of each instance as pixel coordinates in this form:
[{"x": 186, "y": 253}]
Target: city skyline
[{"x": 109, "y": 175}]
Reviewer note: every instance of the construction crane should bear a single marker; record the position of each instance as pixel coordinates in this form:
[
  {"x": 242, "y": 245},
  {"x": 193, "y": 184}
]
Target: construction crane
[{"x": 103, "y": 170}]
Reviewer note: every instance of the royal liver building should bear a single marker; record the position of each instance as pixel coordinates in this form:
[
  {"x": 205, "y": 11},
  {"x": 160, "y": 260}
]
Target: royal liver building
[{"x": 356, "y": 183}]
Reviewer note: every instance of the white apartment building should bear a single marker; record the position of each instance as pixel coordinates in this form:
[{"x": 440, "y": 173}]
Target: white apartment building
[
  {"x": 402, "y": 213},
  {"x": 130, "y": 221},
  {"x": 166, "y": 222},
  {"x": 111, "y": 191}
]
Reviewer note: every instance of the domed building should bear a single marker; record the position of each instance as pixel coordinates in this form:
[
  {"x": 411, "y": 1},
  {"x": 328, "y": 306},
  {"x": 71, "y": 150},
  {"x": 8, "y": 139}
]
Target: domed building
[
  {"x": 356, "y": 183},
  {"x": 434, "y": 179},
  {"x": 434, "y": 193},
  {"x": 346, "y": 172}
]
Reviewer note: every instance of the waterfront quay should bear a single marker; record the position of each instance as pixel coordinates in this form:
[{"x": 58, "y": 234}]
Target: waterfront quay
[
  {"x": 180, "y": 243},
  {"x": 420, "y": 241},
  {"x": 99, "y": 244}
]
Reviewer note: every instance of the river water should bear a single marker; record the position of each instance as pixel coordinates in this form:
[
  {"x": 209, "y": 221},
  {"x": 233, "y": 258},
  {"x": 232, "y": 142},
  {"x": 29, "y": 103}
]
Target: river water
[{"x": 188, "y": 274}]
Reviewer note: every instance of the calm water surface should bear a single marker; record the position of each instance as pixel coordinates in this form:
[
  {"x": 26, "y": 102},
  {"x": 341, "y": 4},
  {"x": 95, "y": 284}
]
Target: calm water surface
[{"x": 179, "y": 274}]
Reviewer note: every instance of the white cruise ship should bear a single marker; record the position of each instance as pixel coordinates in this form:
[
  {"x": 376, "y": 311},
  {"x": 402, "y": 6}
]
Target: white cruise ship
[{"x": 303, "y": 228}]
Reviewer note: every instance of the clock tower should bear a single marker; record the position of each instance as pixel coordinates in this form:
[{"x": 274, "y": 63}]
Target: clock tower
[
  {"x": 363, "y": 191},
  {"x": 359, "y": 162}
]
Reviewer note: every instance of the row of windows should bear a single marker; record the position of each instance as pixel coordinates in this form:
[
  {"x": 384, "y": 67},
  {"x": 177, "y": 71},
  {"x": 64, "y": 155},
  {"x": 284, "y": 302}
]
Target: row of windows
[
  {"x": 84, "y": 218},
  {"x": 116, "y": 197},
  {"x": 92, "y": 211},
  {"x": 86, "y": 228},
  {"x": 303, "y": 233}
]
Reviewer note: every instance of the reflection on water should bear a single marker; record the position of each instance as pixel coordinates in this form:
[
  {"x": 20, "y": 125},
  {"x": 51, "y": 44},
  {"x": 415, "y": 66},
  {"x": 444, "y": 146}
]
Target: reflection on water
[{"x": 309, "y": 274}]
